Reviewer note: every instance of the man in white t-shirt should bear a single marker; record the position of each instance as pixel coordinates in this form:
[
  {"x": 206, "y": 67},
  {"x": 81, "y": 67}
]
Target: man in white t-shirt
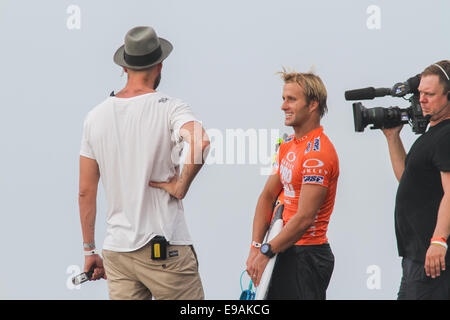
[{"x": 132, "y": 141}]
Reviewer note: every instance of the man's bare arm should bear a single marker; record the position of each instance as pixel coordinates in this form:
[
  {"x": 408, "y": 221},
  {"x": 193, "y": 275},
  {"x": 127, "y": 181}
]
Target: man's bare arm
[
  {"x": 443, "y": 220},
  {"x": 264, "y": 207},
  {"x": 261, "y": 220},
  {"x": 87, "y": 197},
  {"x": 193, "y": 133},
  {"x": 397, "y": 151},
  {"x": 310, "y": 200},
  {"x": 435, "y": 257}
]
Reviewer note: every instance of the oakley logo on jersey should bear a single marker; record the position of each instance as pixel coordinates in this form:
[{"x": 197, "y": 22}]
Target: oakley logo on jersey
[
  {"x": 313, "y": 179},
  {"x": 313, "y": 163},
  {"x": 314, "y": 170}
]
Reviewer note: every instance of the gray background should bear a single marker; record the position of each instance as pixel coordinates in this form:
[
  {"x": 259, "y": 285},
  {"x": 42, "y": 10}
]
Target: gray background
[{"x": 224, "y": 61}]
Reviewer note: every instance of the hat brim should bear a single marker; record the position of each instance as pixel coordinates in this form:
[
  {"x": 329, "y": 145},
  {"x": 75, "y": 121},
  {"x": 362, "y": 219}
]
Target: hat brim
[{"x": 166, "y": 48}]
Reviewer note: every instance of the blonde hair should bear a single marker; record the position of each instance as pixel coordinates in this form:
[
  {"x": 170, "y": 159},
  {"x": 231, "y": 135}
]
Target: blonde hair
[{"x": 312, "y": 85}]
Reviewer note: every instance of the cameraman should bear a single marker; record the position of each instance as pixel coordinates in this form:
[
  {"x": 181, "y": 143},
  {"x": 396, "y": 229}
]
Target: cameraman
[{"x": 422, "y": 206}]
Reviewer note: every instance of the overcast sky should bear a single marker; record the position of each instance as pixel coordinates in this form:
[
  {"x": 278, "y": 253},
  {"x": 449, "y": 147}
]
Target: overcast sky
[{"x": 57, "y": 65}]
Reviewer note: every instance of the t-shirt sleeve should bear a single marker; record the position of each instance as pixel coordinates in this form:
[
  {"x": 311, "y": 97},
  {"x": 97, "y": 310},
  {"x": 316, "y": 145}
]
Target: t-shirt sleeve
[
  {"x": 180, "y": 115},
  {"x": 318, "y": 168},
  {"x": 441, "y": 158},
  {"x": 86, "y": 149}
]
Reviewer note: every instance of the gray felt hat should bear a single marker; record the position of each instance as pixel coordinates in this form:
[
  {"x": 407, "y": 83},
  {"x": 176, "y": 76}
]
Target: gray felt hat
[{"x": 142, "y": 49}]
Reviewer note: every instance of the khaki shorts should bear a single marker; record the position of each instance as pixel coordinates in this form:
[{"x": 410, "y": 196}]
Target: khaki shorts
[{"x": 133, "y": 275}]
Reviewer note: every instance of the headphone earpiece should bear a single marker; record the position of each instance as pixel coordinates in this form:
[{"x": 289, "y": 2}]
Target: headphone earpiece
[{"x": 446, "y": 75}]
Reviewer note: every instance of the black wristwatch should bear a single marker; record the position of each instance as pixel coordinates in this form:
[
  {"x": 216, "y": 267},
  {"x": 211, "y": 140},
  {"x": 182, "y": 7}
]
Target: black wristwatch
[{"x": 266, "y": 249}]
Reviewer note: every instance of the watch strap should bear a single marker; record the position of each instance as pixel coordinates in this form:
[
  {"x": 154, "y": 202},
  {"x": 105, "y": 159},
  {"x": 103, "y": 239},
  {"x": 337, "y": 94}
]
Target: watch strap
[{"x": 90, "y": 252}]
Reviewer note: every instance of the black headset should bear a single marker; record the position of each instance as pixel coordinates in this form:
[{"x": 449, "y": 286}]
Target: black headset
[{"x": 446, "y": 75}]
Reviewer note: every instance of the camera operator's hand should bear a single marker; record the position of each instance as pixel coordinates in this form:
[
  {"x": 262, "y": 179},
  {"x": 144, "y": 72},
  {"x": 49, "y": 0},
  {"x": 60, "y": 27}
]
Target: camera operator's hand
[
  {"x": 435, "y": 260},
  {"x": 392, "y": 132}
]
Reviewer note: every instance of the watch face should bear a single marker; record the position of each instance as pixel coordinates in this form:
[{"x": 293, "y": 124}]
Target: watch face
[{"x": 264, "y": 248}]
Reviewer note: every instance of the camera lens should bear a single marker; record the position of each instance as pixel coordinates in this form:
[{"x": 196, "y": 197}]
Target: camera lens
[
  {"x": 360, "y": 117},
  {"x": 378, "y": 116}
]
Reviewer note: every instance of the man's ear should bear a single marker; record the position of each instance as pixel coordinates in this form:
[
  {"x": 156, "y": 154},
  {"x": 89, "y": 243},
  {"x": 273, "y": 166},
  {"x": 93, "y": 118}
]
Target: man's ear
[{"x": 313, "y": 105}]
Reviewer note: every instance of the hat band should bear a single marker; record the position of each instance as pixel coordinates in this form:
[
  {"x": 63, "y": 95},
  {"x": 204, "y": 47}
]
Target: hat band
[{"x": 143, "y": 60}]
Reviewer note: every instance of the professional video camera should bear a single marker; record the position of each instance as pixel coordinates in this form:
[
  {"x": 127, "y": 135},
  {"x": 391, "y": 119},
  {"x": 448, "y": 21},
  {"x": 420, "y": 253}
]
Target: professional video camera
[{"x": 389, "y": 117}]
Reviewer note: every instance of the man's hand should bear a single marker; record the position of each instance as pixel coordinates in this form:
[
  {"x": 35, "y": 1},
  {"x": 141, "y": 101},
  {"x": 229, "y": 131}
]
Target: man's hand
[
  {"x": 435, "y": 260},
  {"x": 94, "y": 262},
  {"x": 392, "y": 132},
  {"x": 251, "y": 257},
  {"x": 256, "y": 264},
  {"x": 172, "y": 187},
  {"x": 193, "y": 133}
]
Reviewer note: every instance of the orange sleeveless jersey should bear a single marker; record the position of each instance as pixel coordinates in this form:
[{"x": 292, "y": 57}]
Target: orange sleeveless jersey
[{"x": 308, "y": 160}]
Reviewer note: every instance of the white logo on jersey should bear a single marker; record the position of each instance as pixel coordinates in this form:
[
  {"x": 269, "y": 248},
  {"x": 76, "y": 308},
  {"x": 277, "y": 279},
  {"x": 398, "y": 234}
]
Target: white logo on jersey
[
  {"x": 316, "y": 146},
  {"x": 286, "y": 174},
  {"x": 313, "y": 163},
  {"x": 308, "y": 147},
  {"x": 290, "y": 156}
]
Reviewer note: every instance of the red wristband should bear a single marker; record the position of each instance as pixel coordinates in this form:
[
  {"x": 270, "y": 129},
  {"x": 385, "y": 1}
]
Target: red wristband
[{"x": 438, "y": 239}]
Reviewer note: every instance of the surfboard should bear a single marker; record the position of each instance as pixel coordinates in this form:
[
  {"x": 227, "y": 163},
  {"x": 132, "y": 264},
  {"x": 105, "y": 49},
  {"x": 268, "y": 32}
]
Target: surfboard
[{"x": 275, "y": 227}]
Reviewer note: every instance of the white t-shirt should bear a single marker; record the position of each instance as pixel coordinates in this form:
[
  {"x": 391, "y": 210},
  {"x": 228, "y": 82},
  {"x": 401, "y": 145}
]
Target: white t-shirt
[{"x": 135, "y": 140}]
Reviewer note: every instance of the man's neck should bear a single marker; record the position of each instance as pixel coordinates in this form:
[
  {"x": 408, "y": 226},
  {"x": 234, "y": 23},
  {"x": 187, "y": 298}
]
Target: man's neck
[
  {"x": 136, "y": 86},
  {"x": 433, "y": 123},
  {"x": 445, "y": 116},
  {"x": 303, "y": 130}
]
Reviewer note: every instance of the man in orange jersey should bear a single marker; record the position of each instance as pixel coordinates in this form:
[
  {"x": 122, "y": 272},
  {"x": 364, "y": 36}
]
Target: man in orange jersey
[{"x": 305, "y": 175}]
